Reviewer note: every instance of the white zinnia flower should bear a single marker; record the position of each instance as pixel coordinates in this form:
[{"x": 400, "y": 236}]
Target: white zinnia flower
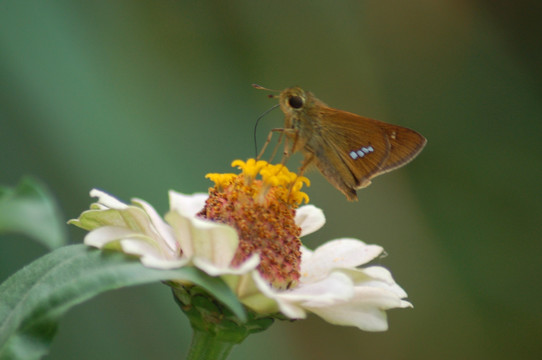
[{"x": 247, "y": 232}]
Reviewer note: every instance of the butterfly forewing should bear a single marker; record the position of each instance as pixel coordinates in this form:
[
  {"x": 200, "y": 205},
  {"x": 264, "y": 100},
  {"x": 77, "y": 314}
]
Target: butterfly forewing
[
  {"x": 405, "y": 143},
  {"x": 360, "y": 144}
]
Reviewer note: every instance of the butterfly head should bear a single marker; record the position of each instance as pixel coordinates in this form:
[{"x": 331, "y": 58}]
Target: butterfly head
[{"x": 294, "y": 100}]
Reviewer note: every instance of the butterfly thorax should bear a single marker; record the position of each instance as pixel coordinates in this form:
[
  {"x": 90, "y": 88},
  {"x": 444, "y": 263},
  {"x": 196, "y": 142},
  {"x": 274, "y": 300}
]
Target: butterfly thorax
[{"x": 302, "y": 118}]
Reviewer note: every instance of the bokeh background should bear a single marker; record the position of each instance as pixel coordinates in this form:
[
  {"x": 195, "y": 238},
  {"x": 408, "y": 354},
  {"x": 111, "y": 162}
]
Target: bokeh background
[{"x": 139, "y": 97}]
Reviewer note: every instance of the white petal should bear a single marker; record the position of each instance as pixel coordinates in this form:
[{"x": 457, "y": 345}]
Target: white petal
[
  {"x": 164, "y": 230},
  {"x": 365, "y": 310},
  {"x": 250, "y": 264},
  {"x": 292, "y": 310},
  {"x": 214, "y": 242},
  {"x": 214, "y": 269},
  {"x": 381, "y": 298},
  {"x": 309, "y": 218},
  {"x": 104, "y": 235},
  {"x": 288, "y": 308},
  {"x": 210, "y": 241},
  {"x": 134, "y": 246},
  {"x": 306, "y": 254},
  {"x": 336, "y": 287},
  {"x": 187, "y": 205},
  {"x": 347, "y": 252},
  {"x": 365, "y": 318},
  {"x": 342, "y": 253},
  {"x": 150, "y": 256},
  {"x": 247, "y": 291},
  {"x": 382, "y": 278},
  {"x": 182, "y": 232},
  {"x": 107, "y": 200},
  {"x": 379, "y": 273}
]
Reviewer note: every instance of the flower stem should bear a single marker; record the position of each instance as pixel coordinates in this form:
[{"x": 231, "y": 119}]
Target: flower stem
[
  {"x": 208, "y": 346},
  {"x": 216, "y": 328}
]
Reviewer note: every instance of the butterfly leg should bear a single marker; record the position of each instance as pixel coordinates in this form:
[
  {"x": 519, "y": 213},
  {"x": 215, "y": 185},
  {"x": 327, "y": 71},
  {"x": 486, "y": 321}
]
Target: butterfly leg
[
  {"x": 306, "y": 162},
  {"x": 288, "y": 151},
  {"x": 276, "y": 146},
  {"x": 269, "y": 136}
]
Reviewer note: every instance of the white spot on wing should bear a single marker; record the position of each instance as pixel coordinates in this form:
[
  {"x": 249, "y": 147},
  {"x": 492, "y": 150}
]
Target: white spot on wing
[{"x": 361, "y": 152}]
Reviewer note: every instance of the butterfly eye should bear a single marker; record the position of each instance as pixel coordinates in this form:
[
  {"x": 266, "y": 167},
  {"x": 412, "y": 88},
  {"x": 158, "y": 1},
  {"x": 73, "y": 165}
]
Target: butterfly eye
[{"x": 295, "y": 101}]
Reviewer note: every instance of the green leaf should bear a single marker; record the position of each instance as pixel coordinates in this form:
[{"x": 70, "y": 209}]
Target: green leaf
[
  {"x": 31, "y": 210},
  {"x": 33, "y": 299}
]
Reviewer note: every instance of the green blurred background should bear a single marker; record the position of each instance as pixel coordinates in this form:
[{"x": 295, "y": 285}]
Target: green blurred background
[{"x": 139, "y": 97}]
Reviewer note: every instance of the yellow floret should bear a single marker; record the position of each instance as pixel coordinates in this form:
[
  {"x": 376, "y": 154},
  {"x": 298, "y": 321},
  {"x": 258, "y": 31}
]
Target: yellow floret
[
  {"x": 250, "y": 168},
  {"x": 286, "y": 183},
  {"x": 221, "y": 180},
  {"x": 299, "y": 197}
]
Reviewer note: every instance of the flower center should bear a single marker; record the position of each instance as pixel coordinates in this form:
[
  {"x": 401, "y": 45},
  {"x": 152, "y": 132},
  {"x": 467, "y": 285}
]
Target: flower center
[{"x": 262, "y": 211}]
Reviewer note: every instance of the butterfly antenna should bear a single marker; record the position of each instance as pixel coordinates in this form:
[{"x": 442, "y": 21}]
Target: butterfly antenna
[
  {"x": 256, "y": 126},
  {"x": 259, "y": 87}
]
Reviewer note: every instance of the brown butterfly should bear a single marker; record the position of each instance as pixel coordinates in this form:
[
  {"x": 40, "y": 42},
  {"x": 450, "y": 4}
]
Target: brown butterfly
[{"x": 348, "y": 149}]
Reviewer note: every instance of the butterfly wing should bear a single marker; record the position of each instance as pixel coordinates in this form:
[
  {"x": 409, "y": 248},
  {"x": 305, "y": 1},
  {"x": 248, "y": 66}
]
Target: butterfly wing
[
  {"x": 352, "y": 149},
  {"x": 405, "y": 143},
  {"x": 349, "y": 149}
]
